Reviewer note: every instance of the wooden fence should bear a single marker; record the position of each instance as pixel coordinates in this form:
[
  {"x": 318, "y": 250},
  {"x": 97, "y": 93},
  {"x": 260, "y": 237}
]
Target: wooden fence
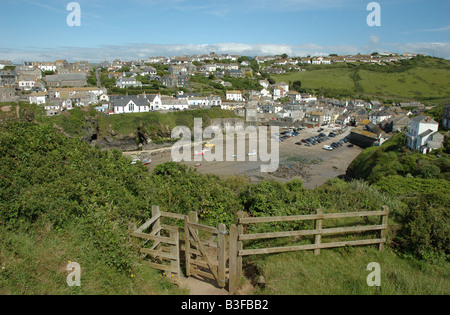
[
  {"x": 205, "y": 246},
  {"x": 237, "y": 237}
]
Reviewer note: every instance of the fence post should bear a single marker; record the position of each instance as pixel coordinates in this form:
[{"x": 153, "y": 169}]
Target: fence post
[
  {"x": 384, "y": 221},
  {"x": 187, "y": 246},
  {"x": 221, "y": 255},
  {"x": 156, "y": 229},
  {"x": 175, "y": 251},
  {"x": 318, "y": 237},
  {"x": 240, "y": 246},
  {"x": 192, "y": 217},
  {"x": 233, "y": 282},
  {"x": 157, "y": 224}
]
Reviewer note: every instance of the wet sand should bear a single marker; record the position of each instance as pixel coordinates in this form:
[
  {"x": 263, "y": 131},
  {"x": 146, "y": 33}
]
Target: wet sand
[{"x": 313, "y": 165}]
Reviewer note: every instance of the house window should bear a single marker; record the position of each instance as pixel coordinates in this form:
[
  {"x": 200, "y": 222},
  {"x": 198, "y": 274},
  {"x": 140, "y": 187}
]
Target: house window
[{"x": 131, "y": 107}]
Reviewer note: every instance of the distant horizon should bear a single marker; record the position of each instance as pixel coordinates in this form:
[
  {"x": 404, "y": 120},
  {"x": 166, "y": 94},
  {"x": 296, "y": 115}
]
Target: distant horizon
[{"x": 180, "y": 54}]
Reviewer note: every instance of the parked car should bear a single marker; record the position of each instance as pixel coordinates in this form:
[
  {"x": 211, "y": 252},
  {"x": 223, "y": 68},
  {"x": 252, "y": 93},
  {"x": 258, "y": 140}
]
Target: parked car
[{"x": 298, "y": 143}]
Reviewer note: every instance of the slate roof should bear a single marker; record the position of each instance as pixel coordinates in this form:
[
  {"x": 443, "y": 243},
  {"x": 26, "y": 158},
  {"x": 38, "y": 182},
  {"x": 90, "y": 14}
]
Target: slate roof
[
  {"x": 66, "y": 77},
  {"x": 122, "y": 101},
  {"x": 424, "y": 119}
]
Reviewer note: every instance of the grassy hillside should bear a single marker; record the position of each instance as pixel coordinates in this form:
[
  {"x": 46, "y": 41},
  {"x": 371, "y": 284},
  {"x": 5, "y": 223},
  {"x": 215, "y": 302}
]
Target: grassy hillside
[
  {"x": 343, "y": 272},
  {"x": 82, "y": 122},
  {"x": 157, "y": 124},
  {"x": 423, "y": 79},
  {"x": 418, "y": 83}
]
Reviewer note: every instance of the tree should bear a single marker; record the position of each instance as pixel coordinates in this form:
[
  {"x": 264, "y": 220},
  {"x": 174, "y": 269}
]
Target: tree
[{"x": 297, "y": 85}]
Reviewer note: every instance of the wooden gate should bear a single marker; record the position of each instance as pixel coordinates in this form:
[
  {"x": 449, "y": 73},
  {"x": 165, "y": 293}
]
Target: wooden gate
[
  {"x": 161, "y": 246},
  {"x": 205, "y": 256}
]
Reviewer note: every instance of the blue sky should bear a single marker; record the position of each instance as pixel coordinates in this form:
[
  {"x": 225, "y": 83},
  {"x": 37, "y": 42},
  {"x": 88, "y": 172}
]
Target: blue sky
[{"x": 37, "y": 29}]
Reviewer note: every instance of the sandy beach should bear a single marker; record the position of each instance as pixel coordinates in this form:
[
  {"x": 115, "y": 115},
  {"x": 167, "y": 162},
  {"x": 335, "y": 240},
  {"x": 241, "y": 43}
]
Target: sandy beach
[{"x": 313, "y": 165}]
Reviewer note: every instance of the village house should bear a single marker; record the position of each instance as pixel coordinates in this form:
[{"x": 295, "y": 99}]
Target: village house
[
  {"x": 38, "y": 98},
  {"x": 423, "y": 135},
  {"x": 73, "y": 79},
  {"x": 308, "y": 98},
  {"x": 343, "y": 119},
  {"x": 234, "y": 73},
  {"x": 70, "y": 97},
  {"x": 29, "y": 70},
  {"x": 7, "y": 79},
  {"x": 234, "y": 96},
  {"x": 62, "y": 65},
  {"x": 124, "y": 83},
  {"x": 376, "y": 117},
  {"x": 396, "y": 124},
  {"x": 172, "y": 103},
  {"x": 275, "y": 70},
  {"x": 317, "y": 118},
  {"x": 172, "y": 81},
  {"x": 135, "y": 103},
  {"x": 294, "y": 96},
  {"x": 46, "y": 66},
  {"x": 292, "y": 111},
  {"x": 367, "y": 135},
  {"x": 27, "y": 82}
]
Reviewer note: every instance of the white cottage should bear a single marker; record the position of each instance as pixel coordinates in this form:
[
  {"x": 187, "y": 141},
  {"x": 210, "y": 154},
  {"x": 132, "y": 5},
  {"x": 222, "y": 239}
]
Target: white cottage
[
  {"x": 135, "y": 104},
  {"x": 423, "y": 135}
]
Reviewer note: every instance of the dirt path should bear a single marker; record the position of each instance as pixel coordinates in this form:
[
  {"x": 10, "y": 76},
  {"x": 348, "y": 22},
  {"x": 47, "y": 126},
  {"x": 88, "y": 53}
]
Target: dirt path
[{"x": 202, "y": 287}]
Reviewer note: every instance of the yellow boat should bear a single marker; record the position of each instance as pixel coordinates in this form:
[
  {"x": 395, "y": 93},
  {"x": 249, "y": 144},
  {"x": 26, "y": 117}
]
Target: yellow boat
[{"x": 210, "y": 145}]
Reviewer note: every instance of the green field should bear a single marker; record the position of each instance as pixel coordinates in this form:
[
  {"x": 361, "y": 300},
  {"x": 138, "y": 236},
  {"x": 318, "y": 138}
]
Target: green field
[
  {"x": 422, "y": 79},
  {"x": 338, "y": 78},
  {"x": 419, "y": 83}
]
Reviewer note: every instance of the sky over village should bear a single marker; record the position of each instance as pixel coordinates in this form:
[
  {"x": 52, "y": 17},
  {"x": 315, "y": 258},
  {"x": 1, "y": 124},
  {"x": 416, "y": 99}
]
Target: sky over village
[{"x": 32, "y": 30}]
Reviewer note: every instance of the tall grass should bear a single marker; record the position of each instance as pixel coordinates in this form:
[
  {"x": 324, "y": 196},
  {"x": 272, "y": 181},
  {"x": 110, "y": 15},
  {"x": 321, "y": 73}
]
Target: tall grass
[
  {"x": 344, "y": 272},
  {"x": 34, "y": 262}
]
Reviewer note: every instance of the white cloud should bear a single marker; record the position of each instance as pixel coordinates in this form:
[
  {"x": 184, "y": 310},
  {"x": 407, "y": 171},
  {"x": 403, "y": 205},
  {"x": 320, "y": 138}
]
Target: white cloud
[
  {"x": 142, "y": 51},
  {"x": 374, "y": 40},
  {"x": 437, "y": 49},
  {"x": 440, "y": 29}
]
